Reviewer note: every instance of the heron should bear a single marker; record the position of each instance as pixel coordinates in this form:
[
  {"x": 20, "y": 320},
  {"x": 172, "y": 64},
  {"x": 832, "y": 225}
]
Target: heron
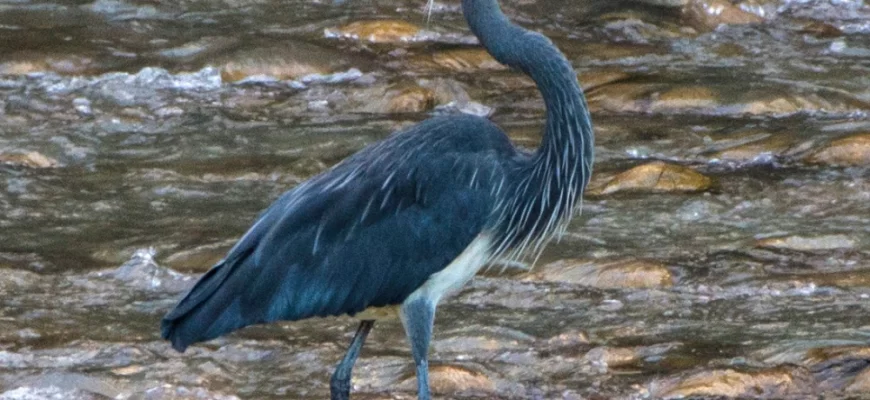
[{"x": 408, "y": 220}]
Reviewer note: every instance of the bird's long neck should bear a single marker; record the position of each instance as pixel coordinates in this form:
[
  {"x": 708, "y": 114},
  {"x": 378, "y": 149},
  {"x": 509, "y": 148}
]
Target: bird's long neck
[
  {"x": 568, "y": 131},
  {"x": 562, "y": 165}
]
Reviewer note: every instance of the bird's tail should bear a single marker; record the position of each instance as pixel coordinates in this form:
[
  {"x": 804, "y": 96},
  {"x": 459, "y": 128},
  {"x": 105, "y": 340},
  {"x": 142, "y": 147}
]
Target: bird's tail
[{"x": 210, "y": 309}]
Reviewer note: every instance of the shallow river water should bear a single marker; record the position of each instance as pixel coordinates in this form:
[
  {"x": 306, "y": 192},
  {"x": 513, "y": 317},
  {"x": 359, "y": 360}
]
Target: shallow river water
[{"x": 723, "y": 249}]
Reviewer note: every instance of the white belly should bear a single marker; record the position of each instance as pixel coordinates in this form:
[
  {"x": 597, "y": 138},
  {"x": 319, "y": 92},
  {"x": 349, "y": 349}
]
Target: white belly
[{"x": 457, "y": 273}]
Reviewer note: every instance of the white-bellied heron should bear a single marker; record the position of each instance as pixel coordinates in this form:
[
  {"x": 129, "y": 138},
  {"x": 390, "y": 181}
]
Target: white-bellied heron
[{"x": 407, "y": 220}]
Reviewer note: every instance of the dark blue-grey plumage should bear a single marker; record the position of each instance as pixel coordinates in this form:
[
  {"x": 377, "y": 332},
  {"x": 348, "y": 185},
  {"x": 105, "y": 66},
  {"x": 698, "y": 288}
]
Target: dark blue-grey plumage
[
  {"x": 406, "y": 220},
  {"x": 366, "y": 233}
]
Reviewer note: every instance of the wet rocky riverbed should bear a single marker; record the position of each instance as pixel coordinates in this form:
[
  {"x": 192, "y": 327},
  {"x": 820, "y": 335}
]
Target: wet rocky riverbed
[{"x": 723, "y": 249}]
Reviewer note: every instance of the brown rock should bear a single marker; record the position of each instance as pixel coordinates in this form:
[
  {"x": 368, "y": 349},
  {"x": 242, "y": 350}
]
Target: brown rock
[
  {"x": 852, "y": 150},
  {"x": 621, "y": 97},
  {"x": 685, "y": 97},
  {"x": 818, "y": 357},
  {"x": 198, "y": 48},
  {"x": 665, "y": 3},
  {"x": 821, "y": 30},
  {"x": 16, "y": 279},
  {"x": 171, "y": 392},
  {"x": 447, "y": 379},
  {"x": 590, "y": 79},
  {"x": 803, "y": 243},
  {"x": 839, "y": 367},
  {"x": 613, "y": 356},
  {"x": 291, "y": 60},
  {"x": 411, "y": 99},
  {"x": 774, "y": 105},
  {"x": 777, "y": 101},
  {"x": 128, "y": 370},
  {"x": 763, "y": 384},
  {"x": 31, "y": 160},
  {"x": 29, "y": 61},
  {"x": 201, "y": 258},
  {"x": 706, "y": 15},
  {"x": 614, "y": 51},
  {"x": 647, "y": 97},
  {"x": 593, "y": 79},
  {"x": 856, "y": 278},
  {"x": 861, "y": 383},
  {"x": 467, "y": 60},
  {"x": 773, "y": 145},
  {"x": 454, "y": 378},
  {"x": 568, "y": 339},
  {"x": 615, "y": 274},
  {"x": 656, "y": 176},
  {"x": 381, "y": 31},
  {"x": 401, "y": 98},
  {"x": 728, "y": 50}
]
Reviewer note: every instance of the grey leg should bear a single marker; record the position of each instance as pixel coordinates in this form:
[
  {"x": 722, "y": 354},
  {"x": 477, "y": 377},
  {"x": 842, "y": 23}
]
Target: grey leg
[
  {"x": 418, "y": 316},
  {"x": 339, "y": 385}
]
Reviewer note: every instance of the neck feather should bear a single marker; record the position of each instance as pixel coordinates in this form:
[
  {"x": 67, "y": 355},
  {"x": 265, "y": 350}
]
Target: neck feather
[
  {"x": 559, "y": 171},
  {"x": 568, "y": 137}
]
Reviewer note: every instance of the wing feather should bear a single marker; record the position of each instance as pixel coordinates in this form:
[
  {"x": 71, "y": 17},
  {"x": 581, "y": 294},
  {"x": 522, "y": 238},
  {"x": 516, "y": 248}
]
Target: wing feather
[{"x": 344, "y": 241}]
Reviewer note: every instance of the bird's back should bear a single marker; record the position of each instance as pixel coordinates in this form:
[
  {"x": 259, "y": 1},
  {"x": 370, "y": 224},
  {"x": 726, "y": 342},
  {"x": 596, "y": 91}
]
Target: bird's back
[{"x": 366, "y": 233}]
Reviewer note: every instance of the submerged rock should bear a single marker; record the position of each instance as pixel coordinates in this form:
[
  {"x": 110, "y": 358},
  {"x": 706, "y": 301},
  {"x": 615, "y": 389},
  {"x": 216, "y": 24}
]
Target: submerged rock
[
  {"x": 685, "y": 98},
  {"x": 28, "y": 62},
  {"x": 19, "y": 280},
  {"x": 291, "y": 60},
  {"x": 861, "y": 383},
  {"x": 665, "y": 3},
  {"x": 400, "y": 98},
  {"x": 411, "y": 99},
  {"x": 612, "y": 357},
  {"x": 47, "y": 393},
  {"x": 382, "y": 31},
  {"x": 615, "y": 357},
  {"x": 466, "y": 60},
  {"x": 821, "y": 30},
  {"x": 634, "y": 274},
  {"x": 446, "y": 379},
  {"x": 774, "y": 383},
  {"x": 805, "y": 243},
  {"x": 31, "y": 159},
  {"x": 595, "y": 78},
  {"x": 568, "y": 339},
  {"x": 758, "y": 150},
  {"x": 170, "y": 392},
  {"x": 706, "y": 15},
  {"x": 852, "y": 150},
  {"x": 64, "y": 386},
  {"x": 200, "y": 258},
  {"x": 656, "y": 176},
  {"x": 717, "y": 99},
  {"x": 856, "y": 278},
  {"x": 840, "y": 368}
]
